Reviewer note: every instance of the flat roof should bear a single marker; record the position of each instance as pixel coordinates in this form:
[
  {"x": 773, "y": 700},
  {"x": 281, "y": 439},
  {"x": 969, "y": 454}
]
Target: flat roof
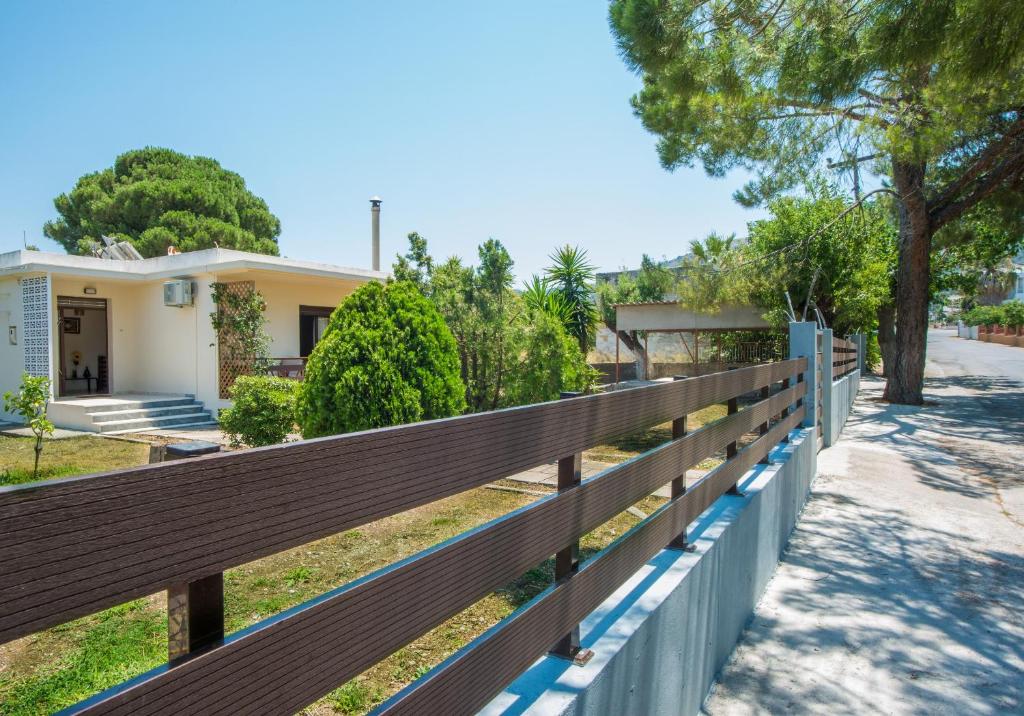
[{"x": 159, "y": 267}]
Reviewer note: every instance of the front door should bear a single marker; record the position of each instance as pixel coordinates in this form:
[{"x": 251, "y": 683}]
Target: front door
[{"x": 83, "y": 346}]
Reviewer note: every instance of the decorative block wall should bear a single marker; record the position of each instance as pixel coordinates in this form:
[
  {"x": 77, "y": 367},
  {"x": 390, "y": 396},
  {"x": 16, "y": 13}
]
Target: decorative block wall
[{"x": 35, "y": 302}]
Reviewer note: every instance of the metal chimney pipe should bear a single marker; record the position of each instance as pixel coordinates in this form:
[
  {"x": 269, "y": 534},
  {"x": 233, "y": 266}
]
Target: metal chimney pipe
[{"x": 375, "y": 224}]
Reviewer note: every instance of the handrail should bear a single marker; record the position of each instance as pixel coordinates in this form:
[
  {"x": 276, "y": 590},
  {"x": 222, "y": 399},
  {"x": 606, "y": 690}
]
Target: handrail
[{"x": 76, "y": 546}]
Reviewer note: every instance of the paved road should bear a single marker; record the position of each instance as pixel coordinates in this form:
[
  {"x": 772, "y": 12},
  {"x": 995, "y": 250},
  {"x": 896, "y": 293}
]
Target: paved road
[
  {"x": 902, "y": 591},
  {"x": 952, "y": 356}
]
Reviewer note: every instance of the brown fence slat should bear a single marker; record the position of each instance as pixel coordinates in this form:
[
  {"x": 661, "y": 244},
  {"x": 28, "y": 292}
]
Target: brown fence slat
[
  {"x": 75, "y": 546},
  {"x": 472, "y": 677},
  {"x": 286, "y": 662}
]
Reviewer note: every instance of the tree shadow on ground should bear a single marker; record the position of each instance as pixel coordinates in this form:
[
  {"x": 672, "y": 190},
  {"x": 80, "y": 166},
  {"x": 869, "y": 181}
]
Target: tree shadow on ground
[
  {"x": 975, "y": 427},
  {"x": 861, "y": 587}
]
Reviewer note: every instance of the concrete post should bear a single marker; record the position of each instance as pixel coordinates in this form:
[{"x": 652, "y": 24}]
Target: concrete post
[
  {"x": 826, "y": 387},
  {"x": 862, "y": 347},
  {"x": 803, "y": 343}
]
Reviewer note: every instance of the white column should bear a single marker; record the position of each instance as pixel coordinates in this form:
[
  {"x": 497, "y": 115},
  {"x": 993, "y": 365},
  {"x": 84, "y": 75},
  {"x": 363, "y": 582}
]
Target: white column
[
  {"x": 803, "y": 336},
  {"x": 862, "y": 346},
  {"x": 826, "y": 387}
]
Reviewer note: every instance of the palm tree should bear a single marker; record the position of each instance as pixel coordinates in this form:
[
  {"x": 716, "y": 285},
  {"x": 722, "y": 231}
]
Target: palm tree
[
  {"x": 712, "y": 249},
  {"x": 539, "y": 295},
  {"x": 571, "y": 275}
]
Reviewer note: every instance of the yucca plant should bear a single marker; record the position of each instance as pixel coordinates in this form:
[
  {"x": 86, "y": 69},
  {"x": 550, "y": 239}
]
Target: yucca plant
[{"x": 571, "y": 276}]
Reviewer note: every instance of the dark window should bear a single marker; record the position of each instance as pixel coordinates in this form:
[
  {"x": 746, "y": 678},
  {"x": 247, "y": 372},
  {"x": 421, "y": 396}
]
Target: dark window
[{"x": 312, "y": 324}]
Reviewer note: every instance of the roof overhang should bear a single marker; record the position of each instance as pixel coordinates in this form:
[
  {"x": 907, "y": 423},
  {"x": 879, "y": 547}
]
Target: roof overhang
[
  {"x": 669, "y": 316},
  {"x": 214, "y": 261}
]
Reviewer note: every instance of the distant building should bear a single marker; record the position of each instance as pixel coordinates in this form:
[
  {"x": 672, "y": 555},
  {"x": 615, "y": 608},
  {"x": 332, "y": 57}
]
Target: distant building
[
  {"x": 1017, "y": 292},
  {"x": 612, "y": 277}
]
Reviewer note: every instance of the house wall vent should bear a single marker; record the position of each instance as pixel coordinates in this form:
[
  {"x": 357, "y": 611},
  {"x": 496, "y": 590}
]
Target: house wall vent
[{"x": 178, "y": 293}]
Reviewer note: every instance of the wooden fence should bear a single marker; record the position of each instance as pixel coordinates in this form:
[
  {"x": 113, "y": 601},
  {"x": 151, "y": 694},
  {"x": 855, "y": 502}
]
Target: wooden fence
[
  {"x": 76, "y": 546},
  {"x": 844, "y": 357}
]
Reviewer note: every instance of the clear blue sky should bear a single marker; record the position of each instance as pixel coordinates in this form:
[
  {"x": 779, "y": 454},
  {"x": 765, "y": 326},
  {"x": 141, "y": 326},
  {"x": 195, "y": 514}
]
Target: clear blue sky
[{"x": 470, "y": 120}]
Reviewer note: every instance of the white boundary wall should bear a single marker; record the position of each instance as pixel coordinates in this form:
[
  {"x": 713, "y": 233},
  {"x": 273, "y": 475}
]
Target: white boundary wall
[
  {"x": 843, "y": 393},
  {"x": 661, "y": 639}
]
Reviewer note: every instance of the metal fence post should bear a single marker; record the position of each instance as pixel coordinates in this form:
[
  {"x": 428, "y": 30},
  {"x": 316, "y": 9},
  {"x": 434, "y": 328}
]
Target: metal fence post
[
  {"x": 195, "y": 610},
  {"x": 195, "y": 615},
  {"x": 762, "y": 429},
  {"x": 732, "y": 407},
  {"x": 567, "y": 560},
  {"x": 679, "y": 483},
  {"x": 785, "y": 411}
]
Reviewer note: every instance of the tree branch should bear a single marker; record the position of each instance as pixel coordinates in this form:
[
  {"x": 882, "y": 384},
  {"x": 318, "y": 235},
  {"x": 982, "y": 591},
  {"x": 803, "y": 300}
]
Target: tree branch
[
  {"x": 985, "y": 160},
  {"x": 1009, "y": 170}
]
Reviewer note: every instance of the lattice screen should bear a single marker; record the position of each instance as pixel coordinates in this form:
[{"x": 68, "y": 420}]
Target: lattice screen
[
  {"x": 35, "y": 330},
  {"x": 230, "y": 366}
]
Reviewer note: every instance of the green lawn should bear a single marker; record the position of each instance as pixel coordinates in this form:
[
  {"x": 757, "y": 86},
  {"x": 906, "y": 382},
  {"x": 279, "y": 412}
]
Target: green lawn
[
  {"x": 63, "y": 458},
  {"x": 630, "y": 446}
]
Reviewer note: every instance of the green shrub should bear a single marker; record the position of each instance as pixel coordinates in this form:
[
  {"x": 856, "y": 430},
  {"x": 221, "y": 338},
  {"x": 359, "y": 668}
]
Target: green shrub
[
  {"x": 386, "y": 358},
  {"x": 263, "y": 412},
  {"x": 1013, "y": 313},
  {"x": 30, "y": 403},
  {"x": 984, "y": 316},
  {"x": 551, "y": 361}
]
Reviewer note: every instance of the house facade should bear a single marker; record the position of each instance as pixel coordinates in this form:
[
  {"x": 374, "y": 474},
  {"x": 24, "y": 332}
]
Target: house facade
[{"x": 101, "y": 327}]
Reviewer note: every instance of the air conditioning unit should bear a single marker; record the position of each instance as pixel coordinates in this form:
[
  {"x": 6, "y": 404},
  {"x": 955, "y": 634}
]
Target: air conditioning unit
[{"x": 178, "y": 293}]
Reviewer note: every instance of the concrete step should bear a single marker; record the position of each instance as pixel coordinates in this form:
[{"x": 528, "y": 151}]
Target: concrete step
[
  {"x": 131, "y": 424},
  {"x": 143, "y": 404},
  {"x": 186, "y": 426},
  {"x": 105, "y": 416}
]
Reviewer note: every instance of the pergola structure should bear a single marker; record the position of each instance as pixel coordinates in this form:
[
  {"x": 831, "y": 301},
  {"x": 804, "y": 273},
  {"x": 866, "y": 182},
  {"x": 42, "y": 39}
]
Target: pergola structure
[{"x": 670, "y": 317}]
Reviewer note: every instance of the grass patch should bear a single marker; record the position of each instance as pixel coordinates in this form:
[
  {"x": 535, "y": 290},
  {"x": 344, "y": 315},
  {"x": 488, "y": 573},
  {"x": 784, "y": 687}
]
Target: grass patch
[
  {"x": 630, "y": 446},
  {"x": 64, "y": 665},
  {"x": 67, "y": 457}
]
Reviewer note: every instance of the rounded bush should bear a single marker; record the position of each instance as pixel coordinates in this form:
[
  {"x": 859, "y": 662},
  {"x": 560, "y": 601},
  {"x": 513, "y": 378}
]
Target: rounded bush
[
  {"x": 386, "y": 358},
  {"x": 263, "y": 412},
  {"x": 550, "y": 362}
]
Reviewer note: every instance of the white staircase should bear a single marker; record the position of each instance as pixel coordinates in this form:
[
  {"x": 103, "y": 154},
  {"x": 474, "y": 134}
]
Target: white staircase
[{"x": 115, "y": 414}]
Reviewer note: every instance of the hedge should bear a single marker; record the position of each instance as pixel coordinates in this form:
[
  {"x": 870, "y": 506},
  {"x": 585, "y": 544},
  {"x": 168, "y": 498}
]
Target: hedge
[{"x": 1009, "y": 314}]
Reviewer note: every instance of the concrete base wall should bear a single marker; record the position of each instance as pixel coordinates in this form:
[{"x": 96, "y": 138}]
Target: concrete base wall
[
  {"x": 844, "y": 392},
  {"x": 660, "y": 640}
]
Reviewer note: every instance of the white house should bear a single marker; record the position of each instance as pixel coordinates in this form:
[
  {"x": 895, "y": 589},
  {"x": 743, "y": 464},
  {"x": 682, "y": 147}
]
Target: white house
[
  {"x": 1017, "y": 292},
  {"x": 127, "y": 348}
]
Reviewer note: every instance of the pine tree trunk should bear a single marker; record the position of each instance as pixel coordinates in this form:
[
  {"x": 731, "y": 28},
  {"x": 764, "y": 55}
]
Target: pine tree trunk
[
  {"x": 905, "y": 382},
  {"x": 887, "y": 336}
]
